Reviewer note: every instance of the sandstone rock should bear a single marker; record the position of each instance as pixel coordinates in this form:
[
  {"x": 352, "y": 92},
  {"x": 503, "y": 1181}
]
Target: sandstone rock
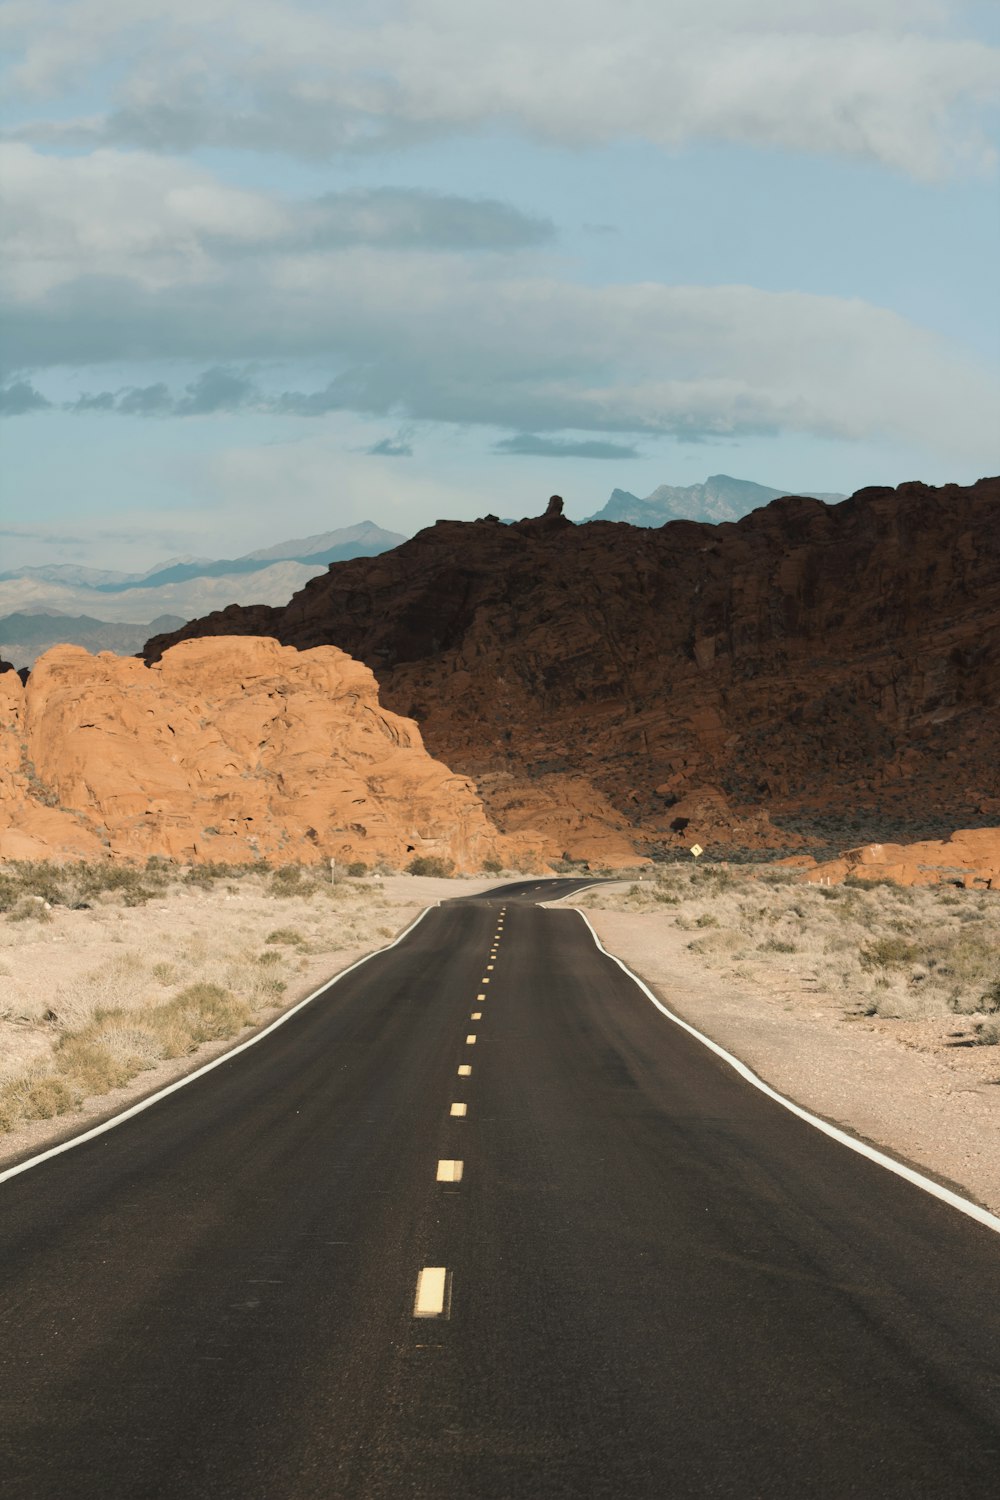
[
  {"x": 226, "y": 749},
  {"x": 807, "y": 656},
  {"x": 566, "y": 814},
  {"x": 705, "y": 816},
  {"x": 970, "y": 858}
]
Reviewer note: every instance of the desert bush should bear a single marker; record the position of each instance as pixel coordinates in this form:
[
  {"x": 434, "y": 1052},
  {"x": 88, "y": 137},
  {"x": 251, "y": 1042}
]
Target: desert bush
[
  {"x": 357, "y": 869},
  {"x": 80, "y": 883},
  {"x": 30, "y": 909},
  {"x": 492, "y": 867},
  {"x": 717, "y": 940},
  {"x": 990, "y": 998},
  {"x": 888, "y": 952},
  {"x": 861, "y": 883},
  {"x": 288, "y": 935},
  {"x": 292, "y": 880},
  {"x": 776, "y": 945},
  {"x": 208, "y": 1012},
  {"x": 987, "y": 1034},
  {"x": 93, "y": 1065},
  {"x": 34, "y": 1097},
  {"x": 133, "y": 887},
  {"x": 430, "y": 864},
  {"x": 715, "y": 877}
]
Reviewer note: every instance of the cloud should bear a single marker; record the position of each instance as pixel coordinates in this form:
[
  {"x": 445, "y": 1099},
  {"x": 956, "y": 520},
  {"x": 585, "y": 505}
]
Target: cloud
[
  {"x": 392, "y": 447},
  {"x": 100, "y": 270},
  {"x": 892, "y": 81},
  {"x": 531, "y": 444},
  {"x": 160, "y": 220},
  {"x": 20, "y": 397},
  {"x": 102, "y": 401},
  {"x": 214, "y": 390},
  {"x": 146, "y": 401},
  {"x": 412, "y": 218}
]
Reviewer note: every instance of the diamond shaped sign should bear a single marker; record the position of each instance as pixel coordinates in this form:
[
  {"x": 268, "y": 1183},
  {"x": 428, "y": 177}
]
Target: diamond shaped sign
[{"x": 696, "y": 849}]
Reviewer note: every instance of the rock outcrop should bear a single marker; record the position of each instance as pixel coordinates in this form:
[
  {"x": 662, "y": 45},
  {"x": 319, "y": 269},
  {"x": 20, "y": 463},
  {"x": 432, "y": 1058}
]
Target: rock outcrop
[
  {"x": 970, "y": 858},
  {"x": 226, "y": 749},
  {"x": 840, "y": 658}
]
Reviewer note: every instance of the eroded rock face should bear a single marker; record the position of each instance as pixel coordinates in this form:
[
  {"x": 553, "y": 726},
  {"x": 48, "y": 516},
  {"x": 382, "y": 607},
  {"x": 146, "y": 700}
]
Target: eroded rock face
[
  {"x": 970, "y": 858},
  {"x": 227, "y": 749},
  {"x": 808, "y": 656}
]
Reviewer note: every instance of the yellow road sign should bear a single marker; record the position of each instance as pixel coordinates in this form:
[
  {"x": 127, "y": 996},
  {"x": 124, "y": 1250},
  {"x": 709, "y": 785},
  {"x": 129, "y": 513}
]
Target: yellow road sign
[{"x": 696, "y": 849}]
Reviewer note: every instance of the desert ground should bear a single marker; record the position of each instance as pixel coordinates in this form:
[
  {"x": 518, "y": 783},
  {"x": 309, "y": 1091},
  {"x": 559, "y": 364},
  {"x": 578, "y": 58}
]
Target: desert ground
[{"x": 876, "y": 1007}]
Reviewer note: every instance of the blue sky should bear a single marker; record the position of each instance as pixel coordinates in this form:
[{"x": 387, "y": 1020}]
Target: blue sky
[{"x": 272, "y": 268}]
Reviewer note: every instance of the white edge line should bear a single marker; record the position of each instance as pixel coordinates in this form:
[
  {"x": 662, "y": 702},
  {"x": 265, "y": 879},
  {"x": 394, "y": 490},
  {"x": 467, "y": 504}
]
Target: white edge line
[
  {"x": 936, "y": 1190},
  {"x": 180, "y": 1083}
]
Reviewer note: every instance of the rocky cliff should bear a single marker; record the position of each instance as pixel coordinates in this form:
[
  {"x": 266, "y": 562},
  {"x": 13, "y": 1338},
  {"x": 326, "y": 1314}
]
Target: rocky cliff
[
  {"x": 832, "y": 658},
  {"x": 225, "y": 750}
]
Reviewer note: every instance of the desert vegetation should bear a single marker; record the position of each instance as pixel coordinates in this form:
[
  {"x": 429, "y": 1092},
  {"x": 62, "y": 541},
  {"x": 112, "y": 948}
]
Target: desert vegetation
[
  {"x": 903, "y": 954},
  {"x": 108, "y": 971}
]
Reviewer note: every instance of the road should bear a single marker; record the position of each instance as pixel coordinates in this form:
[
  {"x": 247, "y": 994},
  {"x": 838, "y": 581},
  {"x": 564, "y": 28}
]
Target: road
[{"x": 652, "y": 1280}]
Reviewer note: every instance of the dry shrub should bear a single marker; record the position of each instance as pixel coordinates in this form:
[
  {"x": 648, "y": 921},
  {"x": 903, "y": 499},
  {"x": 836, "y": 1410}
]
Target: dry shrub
[
  {"x": 34, "y": 1097},
  {"x": 887, "y": 950},
  {"x": 30, "y": 909},
  {"x": 288, "y": 935}
]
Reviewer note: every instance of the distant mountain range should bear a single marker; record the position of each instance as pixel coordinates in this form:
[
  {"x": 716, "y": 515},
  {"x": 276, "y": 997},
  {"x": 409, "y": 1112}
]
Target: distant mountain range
[
  {"x": 720, "y": 498},
  {"x": 25, "y": 636},
  {"x": 363, "y": 540},
  {"x": 87, "y": 606}
]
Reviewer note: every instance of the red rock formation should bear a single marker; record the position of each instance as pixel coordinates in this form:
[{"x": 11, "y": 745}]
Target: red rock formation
[
  {"x": 227, "y": 749},
  {"x": 808, "y": 656},
  {"x": 970, "y": 858}
]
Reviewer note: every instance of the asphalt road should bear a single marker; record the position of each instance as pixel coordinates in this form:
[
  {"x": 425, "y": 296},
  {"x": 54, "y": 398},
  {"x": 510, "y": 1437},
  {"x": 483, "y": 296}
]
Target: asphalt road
[{"x": 654, "y": 1281}]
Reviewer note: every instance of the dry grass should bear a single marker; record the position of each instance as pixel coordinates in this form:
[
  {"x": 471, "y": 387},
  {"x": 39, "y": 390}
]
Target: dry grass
[
  {"x": 887, "y": 951},
  {"x": 107, "y": 973}
]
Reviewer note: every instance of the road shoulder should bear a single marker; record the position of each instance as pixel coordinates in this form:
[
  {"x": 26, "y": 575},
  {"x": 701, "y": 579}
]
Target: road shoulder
[{"x": 916, "y": 1105}]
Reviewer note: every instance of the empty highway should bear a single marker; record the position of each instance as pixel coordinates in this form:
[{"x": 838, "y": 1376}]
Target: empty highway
[{"x": 480, "y": 1221}]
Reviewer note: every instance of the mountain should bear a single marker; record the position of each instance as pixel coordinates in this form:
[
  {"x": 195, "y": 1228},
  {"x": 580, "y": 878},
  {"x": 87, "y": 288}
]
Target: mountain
[
  {"x": 720, "y": 498},
  {"x": 843, "y": 660},
  {"x": 364, "y": 540},
  {"x": 187, "y": 586},
  {"x": 26, "y": 635}
]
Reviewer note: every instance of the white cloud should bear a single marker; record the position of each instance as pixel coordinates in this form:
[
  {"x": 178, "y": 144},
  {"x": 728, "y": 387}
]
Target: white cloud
[
  {"x": 163, "y": 222},
  {"x": 893, "y": 81},
  {"x": 496, "y": 340}
]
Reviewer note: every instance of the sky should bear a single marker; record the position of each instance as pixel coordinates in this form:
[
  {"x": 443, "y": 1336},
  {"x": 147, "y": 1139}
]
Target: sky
[{"x": 271, "y": 268}]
